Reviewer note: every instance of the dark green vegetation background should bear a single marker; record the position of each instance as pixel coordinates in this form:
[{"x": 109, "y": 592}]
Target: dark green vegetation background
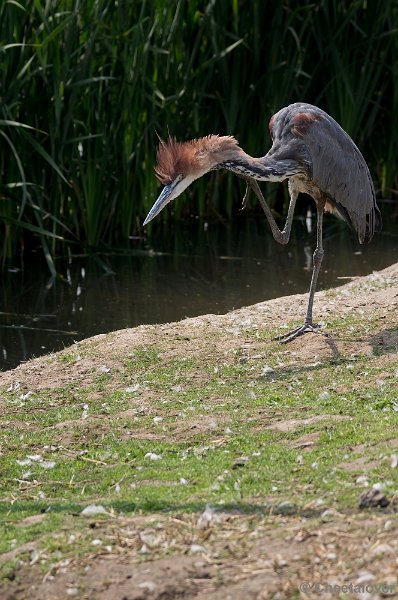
[{"x": 85, "y": 85}]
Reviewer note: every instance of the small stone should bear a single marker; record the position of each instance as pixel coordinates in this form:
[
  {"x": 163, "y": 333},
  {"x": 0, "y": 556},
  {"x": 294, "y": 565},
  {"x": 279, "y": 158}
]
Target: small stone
[
  {"x": 381, "y": 549},
  {"x": 330, "y": 514},
  {"x": 34, "y": 556},
  {"x": 150, "y": 539},
  {"x": 176, "y": 388},
  {"x": 280, "y": 562},
  {"x": 286, "y": 508},
  {"x": 267, "y": 370},
  {"x": 362, "y": 480},
  {"x": 378, "y": 486},
  {"x": 93, "y": 509},
  {"x": 153, "y": 456},
  {"x": 132, "y": 388},
  {"x": 149, "y": 586},
  {"x": 365, "y": 577},
  {"x": 373, "y": 498},
  {"x": 196, "y": 548}
]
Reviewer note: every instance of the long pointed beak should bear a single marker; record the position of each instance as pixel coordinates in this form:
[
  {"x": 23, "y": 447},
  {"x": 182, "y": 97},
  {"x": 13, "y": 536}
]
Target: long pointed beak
[{"x": 160, "y": 203}]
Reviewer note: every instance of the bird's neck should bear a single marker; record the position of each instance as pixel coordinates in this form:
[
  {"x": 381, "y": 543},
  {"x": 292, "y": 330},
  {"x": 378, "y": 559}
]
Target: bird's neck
[{"x": 262, "y": 169}]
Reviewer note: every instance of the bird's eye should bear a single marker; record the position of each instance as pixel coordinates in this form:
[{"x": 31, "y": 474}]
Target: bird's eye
[
  {"x": 177, "y": 180},
  {"x": 174, "y": 182}
]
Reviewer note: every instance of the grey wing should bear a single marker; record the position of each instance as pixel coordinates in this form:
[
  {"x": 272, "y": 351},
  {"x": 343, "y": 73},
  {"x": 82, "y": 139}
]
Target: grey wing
[{"x": 340, "y": 171}]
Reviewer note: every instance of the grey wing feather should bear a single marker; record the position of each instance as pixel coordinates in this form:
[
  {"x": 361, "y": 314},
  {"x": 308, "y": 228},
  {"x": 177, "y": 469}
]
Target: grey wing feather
[{"x": 340, "y": 171}]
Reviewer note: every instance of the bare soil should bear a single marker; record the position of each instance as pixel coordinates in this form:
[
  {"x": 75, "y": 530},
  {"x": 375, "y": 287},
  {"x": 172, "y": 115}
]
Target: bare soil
[{"x": 245, "y": 558}]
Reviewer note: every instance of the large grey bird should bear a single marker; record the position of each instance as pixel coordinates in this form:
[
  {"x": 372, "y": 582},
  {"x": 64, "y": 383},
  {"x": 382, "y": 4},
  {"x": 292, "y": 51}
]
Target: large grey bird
[{"x": 310, "y": 149}]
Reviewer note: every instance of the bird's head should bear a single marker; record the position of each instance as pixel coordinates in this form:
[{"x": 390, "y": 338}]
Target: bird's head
[{"x": 180, "y": 163}]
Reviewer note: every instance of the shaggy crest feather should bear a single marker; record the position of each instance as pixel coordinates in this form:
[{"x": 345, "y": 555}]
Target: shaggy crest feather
[{"x": 183, "y": 158}]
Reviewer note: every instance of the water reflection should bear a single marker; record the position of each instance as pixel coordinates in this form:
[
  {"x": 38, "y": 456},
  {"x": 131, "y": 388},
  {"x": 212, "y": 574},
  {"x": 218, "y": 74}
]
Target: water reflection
[{"x": 185, "y": 272}]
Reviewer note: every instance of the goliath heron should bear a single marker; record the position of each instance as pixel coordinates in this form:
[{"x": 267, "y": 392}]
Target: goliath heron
[{"x": 310, "y": 149}]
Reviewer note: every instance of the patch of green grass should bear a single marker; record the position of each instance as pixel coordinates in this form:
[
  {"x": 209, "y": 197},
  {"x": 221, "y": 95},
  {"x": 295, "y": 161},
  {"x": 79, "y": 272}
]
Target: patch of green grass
[
  {"x": 175, "y": 441},
  {"x": 67, "y": 357}
]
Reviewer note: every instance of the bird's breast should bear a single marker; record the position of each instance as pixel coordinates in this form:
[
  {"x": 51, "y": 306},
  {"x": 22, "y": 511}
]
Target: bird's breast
[{"x": 301, "y": 184}]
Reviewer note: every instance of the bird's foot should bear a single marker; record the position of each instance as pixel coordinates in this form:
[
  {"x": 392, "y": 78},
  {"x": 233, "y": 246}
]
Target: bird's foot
[{"x": 304, "y": 328}]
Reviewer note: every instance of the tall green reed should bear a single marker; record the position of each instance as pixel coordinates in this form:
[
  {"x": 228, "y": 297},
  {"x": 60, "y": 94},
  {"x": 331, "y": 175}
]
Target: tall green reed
[{"x": 84, "y": 86}]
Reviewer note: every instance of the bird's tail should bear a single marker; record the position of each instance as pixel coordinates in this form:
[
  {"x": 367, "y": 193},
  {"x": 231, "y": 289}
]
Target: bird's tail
[{"x": 374, "y": 223}]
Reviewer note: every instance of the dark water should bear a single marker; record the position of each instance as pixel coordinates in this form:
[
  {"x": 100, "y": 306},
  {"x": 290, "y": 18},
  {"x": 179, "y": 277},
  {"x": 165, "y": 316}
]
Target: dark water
[{"x": 184, "y": 272}]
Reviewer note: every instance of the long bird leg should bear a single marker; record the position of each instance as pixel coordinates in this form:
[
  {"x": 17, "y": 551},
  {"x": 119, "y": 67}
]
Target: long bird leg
[
  {"x": 282, "y": 237},
  {"x": 308, "y": 325}
]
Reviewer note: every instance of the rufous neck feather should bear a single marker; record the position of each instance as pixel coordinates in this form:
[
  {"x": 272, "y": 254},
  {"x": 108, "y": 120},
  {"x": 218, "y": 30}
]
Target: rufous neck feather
[{"x": 194, "y": 157}]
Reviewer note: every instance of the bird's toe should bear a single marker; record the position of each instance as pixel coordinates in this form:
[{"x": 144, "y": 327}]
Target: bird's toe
[{"x": 304, "y": 328}]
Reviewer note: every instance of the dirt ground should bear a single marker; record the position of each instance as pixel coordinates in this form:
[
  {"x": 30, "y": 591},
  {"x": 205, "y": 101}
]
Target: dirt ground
[
  {"x": 305, "y": 554},
  {"x": 245, "y": 558}
]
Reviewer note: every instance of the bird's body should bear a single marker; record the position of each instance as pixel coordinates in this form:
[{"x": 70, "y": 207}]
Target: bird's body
[
  {"x": 309, "y": 149},
  {"x": 335, "y": 166}
]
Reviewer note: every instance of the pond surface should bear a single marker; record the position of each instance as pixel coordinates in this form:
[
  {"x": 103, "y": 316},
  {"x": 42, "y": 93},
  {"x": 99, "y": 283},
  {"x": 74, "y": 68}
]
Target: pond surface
[{"x": 183, "y": 272}]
